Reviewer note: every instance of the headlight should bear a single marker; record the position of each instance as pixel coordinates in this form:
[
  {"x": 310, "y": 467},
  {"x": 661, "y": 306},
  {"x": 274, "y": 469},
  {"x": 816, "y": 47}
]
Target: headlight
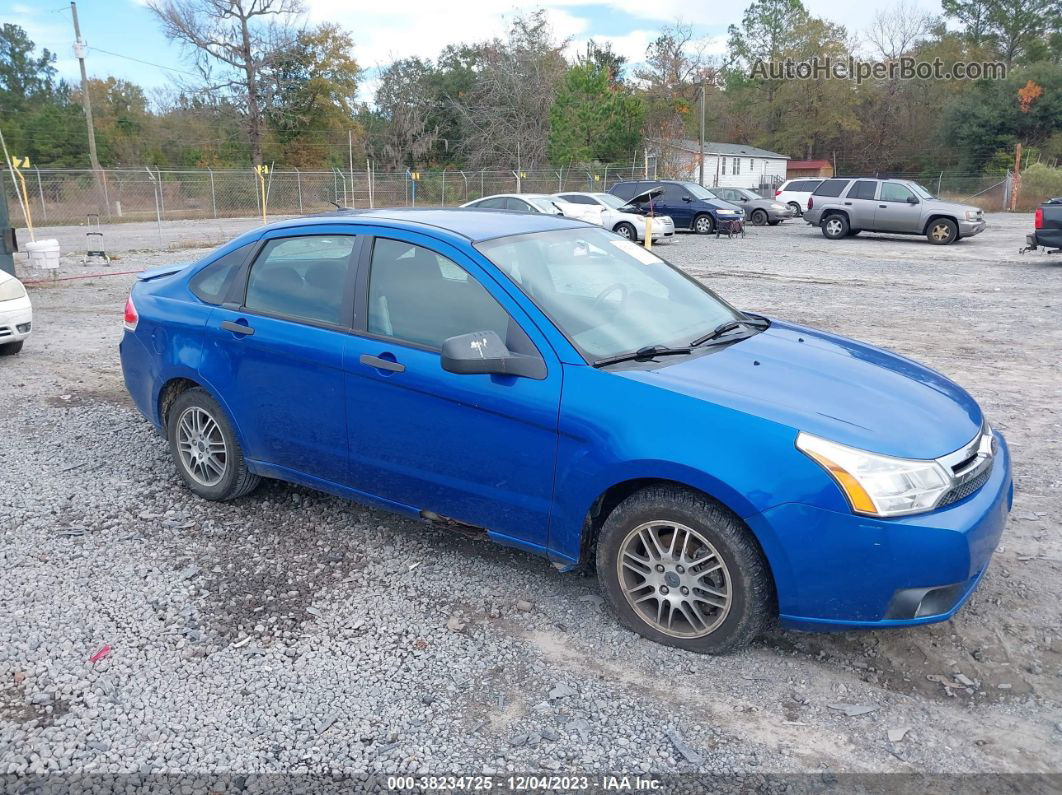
[
  {"x": 12, "y": 289},
  {"x": 726, "y": 212},
  {"x": 972, "y": 215},
  {"x": 878, "y": 485}
]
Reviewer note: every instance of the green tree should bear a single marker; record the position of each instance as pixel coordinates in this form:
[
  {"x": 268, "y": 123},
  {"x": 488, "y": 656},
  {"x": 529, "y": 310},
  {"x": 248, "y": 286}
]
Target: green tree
[{"x": 592, "y": 119}]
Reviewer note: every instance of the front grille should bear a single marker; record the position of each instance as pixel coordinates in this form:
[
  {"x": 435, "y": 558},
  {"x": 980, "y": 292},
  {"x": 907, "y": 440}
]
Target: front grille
[
  {"x": 964, "y": 490},
  {"x": 6, "y": 332}
]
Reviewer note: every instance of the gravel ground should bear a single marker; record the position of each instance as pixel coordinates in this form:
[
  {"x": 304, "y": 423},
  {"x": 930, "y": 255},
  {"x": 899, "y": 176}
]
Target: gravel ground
[{"x": 294, "y": 632}]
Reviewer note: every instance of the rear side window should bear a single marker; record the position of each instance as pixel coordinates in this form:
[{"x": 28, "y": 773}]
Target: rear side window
[
  {"x": 863, "y": 189},
  {"x": 304, "y": 278},
  {"x": 519, "y": 205},
  {"x": 803, "y": 185},
  {"x": 211, "y": 284},
  {"x": 831, "y": 187},
  {"x": 575, "y": 198}
]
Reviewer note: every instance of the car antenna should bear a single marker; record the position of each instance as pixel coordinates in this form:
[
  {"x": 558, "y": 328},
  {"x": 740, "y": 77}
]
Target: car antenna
[{"x": 337, "y": 205}]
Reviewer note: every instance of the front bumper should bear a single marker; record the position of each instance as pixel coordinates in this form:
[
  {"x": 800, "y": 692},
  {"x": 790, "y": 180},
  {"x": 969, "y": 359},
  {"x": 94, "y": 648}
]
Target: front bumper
[
  {"x": 781, "y": 215},
  {"x": 836, "y": 571},
  {"x": 971, "y": 228},
  {"x": 16, "y": 321},
  {"x": 663, "y": 227}
]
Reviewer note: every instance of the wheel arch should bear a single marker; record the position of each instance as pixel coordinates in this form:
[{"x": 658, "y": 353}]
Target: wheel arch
[
  {"x": 179, "y": 383},
  {"x": 937, "y": 217},
  {"x": 835, "y": 211}
]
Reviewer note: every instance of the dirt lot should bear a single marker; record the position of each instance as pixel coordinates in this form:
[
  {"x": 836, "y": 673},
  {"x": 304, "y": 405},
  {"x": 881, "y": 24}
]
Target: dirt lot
[{"x": 291, "y": 631}]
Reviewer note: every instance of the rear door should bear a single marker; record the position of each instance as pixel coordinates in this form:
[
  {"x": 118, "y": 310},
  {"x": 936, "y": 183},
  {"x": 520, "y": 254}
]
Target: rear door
[
  {"x": 477, "y": 448},
  {"x": 861, "y": 204},
  {"x": 274, "y": 351},
  {"x": 894, "y": 211}
]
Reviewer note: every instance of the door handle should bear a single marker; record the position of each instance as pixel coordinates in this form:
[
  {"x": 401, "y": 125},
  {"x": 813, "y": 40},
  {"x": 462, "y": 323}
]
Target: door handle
[
  {"x": 237, "y": 328},
  {"x": 882, "y": 206},
  {"x": 849, "y": 203},
  {"x": 382, "y": 364}
]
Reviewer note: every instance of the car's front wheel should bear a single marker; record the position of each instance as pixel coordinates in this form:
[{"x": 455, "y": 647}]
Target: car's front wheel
[
  {"x": 624, "y": 229},
  {"x": 204, "y": 446},
  {"x": 758, "y": 217},
  {"x": 680, "y": 569},
  {"x": 942, "y": 231},
  {"x": 11, "y": 348},
  {"x": 704, "y": 224}
]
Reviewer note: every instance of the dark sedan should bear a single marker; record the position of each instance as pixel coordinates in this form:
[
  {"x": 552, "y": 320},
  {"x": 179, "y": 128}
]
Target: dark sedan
[{"x": 757, "y": 209}]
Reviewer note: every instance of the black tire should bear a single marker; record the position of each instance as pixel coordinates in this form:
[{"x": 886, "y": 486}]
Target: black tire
[
  {"x": 624, "y": 229},
  {"x": 774, "y": 223},
  {"x": 834, "y": 226},
  {"x": 854, "y": 232},
  {"x": 745, "y": 573},
  {"x": 796, "y": 209},
  {"x": 758, "y": 217},
  {"x": 703, "y": 224},
  {"x": 235, "y": 480},
  {"x": 11, "y": 348},
  {"x": 942, "y": 231}
]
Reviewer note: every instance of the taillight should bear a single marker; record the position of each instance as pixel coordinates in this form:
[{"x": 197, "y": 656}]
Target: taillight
[
  {"x": 811, "y": 202},
  {"x": 1038, "y": 221},
  {"x": 777, "y": 193},
  {"x": 131, "y": 317}
]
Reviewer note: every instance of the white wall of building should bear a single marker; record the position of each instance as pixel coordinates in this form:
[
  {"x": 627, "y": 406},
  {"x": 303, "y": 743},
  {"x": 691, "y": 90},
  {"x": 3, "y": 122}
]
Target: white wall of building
[{"x": 727, "y": 171}]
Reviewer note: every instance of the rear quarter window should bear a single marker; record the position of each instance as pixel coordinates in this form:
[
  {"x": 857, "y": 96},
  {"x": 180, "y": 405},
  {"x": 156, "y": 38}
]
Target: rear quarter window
[
  {"x": 831, "y": 187},
  {"x": 211, "y": 284},
  {"x": 803, "y": 185}
]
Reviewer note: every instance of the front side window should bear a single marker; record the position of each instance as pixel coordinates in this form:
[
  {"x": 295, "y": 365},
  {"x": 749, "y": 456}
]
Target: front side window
[
  {"x": 304, "y": 278},
  {"x": 576, "y": 198},
  {"x": 608, "y": 296},
  {"x": 895, "y": 192},
  {"x": 490, "y": 204},
  {"x": 418, "y": 296},
  {"x": 519, "y": 205}
]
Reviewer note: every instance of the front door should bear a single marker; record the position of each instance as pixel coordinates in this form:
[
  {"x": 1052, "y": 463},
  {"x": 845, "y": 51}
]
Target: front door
[
  {"x": 275, "y": 353},
  {"x": 895, "y": 211},
  {"x": 477, "y": 448},
  {"x": 677, "y": 202}
]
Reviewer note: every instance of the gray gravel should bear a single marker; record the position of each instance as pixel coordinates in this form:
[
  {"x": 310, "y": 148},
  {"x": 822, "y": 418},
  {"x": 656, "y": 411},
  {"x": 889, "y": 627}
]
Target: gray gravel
[{"x": 295, "y": 632}]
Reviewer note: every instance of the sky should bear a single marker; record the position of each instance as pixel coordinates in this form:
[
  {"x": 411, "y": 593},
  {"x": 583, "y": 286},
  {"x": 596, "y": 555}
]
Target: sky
[{"x": 124, "y": 39}]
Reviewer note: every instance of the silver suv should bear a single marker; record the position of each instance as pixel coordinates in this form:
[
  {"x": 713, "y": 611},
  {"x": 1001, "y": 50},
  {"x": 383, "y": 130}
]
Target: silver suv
[{"x": 844, "y": 207}]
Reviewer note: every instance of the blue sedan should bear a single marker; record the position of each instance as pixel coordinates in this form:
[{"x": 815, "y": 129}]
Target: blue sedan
[{"x": 571, "y": 394}]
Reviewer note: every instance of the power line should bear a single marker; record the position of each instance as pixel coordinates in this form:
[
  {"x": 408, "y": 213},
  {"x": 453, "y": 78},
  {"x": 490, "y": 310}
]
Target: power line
[{"x": 146, "y": 63}]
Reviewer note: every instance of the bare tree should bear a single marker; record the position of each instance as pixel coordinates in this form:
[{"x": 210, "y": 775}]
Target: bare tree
[
  {"x": 405, "y": 100},
  {"x": 895, "y": 31},
  {"x": 234, "y": 45}
]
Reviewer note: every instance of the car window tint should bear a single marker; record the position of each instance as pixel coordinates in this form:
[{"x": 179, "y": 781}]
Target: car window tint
[
  {"x": 491, "y": 204},
  {"x": 895, "y": 192},
  {"x": 422, "y": 297},
  {"x": 575, "y": 198},
  {"x": 672, "y": 193},
  {"x": 803, "y": 186},
  {"x": 863, "y": 189},
  {"x": 626, "y": 189},
  {"x": 302, "y": 277},
  {"x": 519, "y": 205},
  {"x": 212, "y": 283},
  {"x": 831, "y": 187}
]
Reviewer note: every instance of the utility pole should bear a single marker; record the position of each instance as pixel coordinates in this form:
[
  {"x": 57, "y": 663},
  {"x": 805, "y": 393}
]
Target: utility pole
[
  {"x": 350, "y": 156},
  {"x": 702, "y": 132},
  {"x": 86, "y": 101}
]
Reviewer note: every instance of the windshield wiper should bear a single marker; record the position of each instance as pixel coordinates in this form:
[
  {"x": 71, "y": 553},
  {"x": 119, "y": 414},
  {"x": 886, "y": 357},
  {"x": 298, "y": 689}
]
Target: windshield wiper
[
  {"x": 648, "y": 352},
  {"x": 730, "y": 325}
]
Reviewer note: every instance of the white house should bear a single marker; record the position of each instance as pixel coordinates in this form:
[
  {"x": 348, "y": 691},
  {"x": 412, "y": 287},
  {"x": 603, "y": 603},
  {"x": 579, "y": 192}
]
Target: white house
[{"x": 725, "y": 165}]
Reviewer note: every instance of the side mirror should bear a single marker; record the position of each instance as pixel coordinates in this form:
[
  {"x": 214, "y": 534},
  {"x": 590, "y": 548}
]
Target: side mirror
[
  {"x": 686, "y": 199},
  {"x": 744, "y": 199},
  {"x": 912, "y": 200},
  {"x": 484, "y": 353}
]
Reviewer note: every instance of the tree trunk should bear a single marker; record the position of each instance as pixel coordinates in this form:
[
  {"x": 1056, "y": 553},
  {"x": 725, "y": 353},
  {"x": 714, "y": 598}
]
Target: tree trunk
[{"x": 254, "y": 116}]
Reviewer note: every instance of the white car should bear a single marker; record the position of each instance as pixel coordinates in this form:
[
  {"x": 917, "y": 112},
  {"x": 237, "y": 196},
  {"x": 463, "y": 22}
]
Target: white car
[
  {"x": 537, "y": 203},
  {"x": 618, "y": 216},
  {"x": 795, "y": 193},
  {"x": 16, "y": 314}
]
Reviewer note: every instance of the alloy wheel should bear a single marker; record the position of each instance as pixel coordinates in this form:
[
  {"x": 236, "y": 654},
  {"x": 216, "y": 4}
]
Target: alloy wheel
[
  {"x": 940, "y": 233},
  {"x": 834, "y": 227},
  {"x": 201, "y": 446},
  {"x": 704, "y": 224},
  {"x": 674, "y": 578}
]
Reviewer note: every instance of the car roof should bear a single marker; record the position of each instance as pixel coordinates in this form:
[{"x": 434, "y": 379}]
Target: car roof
[{"x": 470, "y": 223}]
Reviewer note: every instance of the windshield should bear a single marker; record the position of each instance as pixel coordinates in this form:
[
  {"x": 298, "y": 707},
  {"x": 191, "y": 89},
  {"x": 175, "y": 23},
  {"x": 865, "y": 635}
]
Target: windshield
[
  {"x": 615, "y": 202},
  {"x": 920, "y": 191},
  {"x": 698, "y": 191},
  {"x": 605, "y": 294}
]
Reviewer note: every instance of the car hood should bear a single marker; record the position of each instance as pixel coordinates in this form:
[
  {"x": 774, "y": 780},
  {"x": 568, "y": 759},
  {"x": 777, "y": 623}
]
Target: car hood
[
  {"x": 833, "y": 387},
  {"x": 939, "y": 205}
]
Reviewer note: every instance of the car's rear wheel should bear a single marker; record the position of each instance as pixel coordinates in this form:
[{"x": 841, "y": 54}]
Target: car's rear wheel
[
  {"x": 942, "y": 231},
  {"x": 11, "y": 348},
  {"x": 204, "y": 446},
  {"x": 758, "y": 217},
  {"x": 834, "y": 226},
  {"x": 775, "y": 223},
  {"x": 624, "y": 229},
  {"x": 680, "y": 569},
  {"x": 704, "y": 224}
]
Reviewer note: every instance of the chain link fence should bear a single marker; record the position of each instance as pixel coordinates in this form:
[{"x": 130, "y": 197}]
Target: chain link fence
[{"x": 69, "y": 196}]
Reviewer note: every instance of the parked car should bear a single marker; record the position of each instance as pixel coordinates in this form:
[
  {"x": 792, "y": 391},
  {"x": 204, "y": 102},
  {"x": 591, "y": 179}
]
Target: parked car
[
  {"x": 688, "y": 204},
  {"x": 537, "y": 203},
  {"x": 844, "y": 207},
  {"x": 533, "y": 376},
  {"x": 759, "y": 210},
  {"x": 621, "y": 217},
  {"x": 795, "y": 193},
  {"x": 16, "y": 314},
  {"x": 1047, "y": 227}
]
